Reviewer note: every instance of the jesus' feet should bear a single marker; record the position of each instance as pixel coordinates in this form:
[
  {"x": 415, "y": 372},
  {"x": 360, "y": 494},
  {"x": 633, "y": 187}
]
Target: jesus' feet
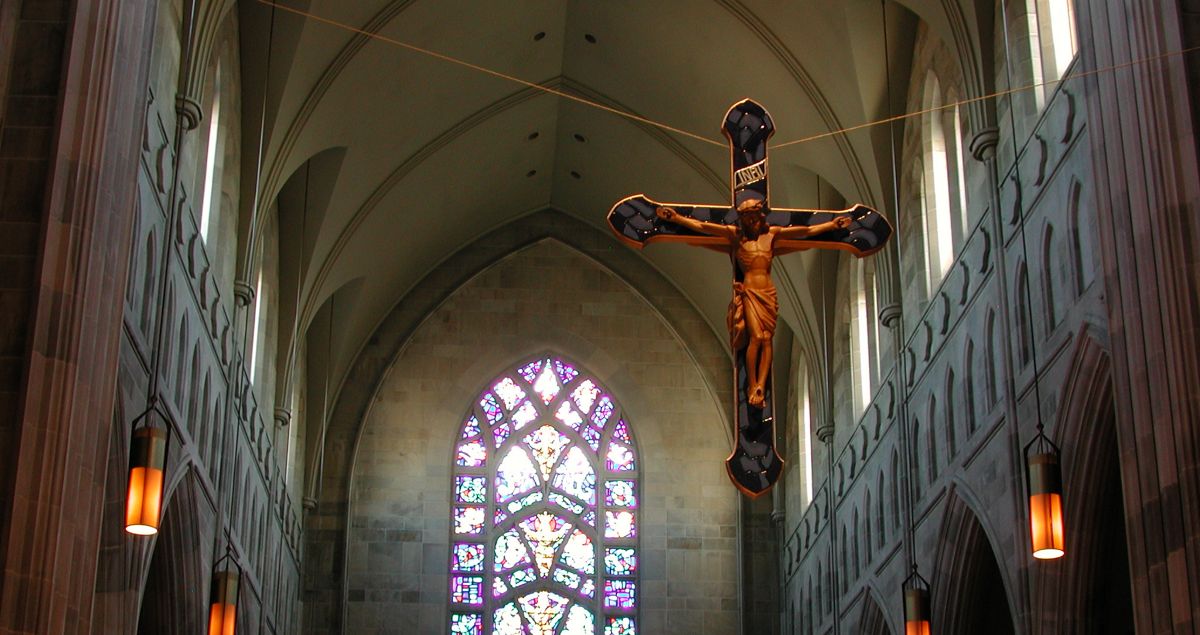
[{"x": 757, "y": 396}]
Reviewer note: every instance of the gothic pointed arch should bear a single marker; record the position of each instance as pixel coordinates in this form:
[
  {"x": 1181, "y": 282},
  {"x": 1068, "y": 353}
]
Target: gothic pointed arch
[
  {"x": 972, "y": 593},
  {"x": 172, "y": 602},
  {"x": 873, "y": 620},
  {"x": 1092, "y": 587}
]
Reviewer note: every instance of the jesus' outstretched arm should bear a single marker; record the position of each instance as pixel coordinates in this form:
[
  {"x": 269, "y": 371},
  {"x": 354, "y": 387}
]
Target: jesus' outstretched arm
[
  {"x": 701, "y": 227},
  {"x": 804, "y": 231}
]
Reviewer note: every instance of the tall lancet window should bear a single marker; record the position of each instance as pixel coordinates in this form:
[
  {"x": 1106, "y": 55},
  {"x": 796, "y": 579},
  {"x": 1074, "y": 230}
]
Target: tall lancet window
[{"x": 544, "y": 519}]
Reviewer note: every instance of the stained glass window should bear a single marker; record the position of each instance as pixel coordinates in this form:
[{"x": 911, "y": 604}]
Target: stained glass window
[{"x": 544, "y": 523}]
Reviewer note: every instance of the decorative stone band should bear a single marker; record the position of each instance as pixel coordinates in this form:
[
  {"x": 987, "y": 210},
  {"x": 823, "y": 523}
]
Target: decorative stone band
[
  {"x": 188, "y": 109},
  {"x": 983, "y": 145},
  {"x": 890, "y": 315},
  {"x": 243, "y": 293}
]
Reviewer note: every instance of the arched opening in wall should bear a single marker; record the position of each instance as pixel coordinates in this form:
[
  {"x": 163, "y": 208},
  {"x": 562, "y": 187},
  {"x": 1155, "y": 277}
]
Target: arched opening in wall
[
  {"x": 1091, "y": 589},
  {"x": 1109, "y": 598},
  {"x": 173, "y": 600},
  {"x": 971, "y": 596},
  {"x": 873, "y": 620}
]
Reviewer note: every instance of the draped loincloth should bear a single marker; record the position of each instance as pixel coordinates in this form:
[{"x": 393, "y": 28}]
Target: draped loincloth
[{"x": 761, "y": 304}]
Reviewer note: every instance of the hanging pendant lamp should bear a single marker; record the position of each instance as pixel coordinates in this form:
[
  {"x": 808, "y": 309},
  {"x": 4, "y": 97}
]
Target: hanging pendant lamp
[
  {"x": 916, "y": 604},
  {"x": 1044, "y": 478},
  {"x": 147, "y": 469},
  {"x": 223, "y": 597}
]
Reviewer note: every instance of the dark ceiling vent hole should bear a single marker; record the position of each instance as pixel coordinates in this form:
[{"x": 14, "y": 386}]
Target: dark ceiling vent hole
[
  {"x": 537, "y": 37},
  {"x": 590, "y": 38},
  {"x": 530, "y": 173},
  {"x": 533, "y": 135},
  {"x": 580, "y": 138},
  {"x": 576, "y": 175}
]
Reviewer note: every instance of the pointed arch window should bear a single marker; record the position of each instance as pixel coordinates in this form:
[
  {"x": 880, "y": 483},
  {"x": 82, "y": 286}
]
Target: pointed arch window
[
  {"x": 212, "y": 185},
  {"x": 864, "y": 342},
  {"x": 544, "y": 521}
]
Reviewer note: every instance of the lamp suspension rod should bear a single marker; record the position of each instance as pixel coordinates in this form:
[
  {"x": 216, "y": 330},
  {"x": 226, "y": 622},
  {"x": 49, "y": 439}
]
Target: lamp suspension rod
[
  {"x": 897, "y": 322},
  {"x": 1012, "y": 122}
]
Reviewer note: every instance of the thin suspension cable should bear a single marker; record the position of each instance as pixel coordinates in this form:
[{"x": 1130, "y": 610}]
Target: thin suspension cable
[
  {"x": 494, "y": 73},
  {"x": 1024, "y": 272},
  {"x": 993, "y": 95},
  {"x": 827, "y": 420},
  {"x": 692, "y": 135}
]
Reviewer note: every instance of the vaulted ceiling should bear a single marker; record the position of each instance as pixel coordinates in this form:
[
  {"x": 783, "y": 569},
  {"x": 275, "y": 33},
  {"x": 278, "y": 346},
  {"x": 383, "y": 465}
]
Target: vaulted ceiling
[{"x": 414, "y": 157}]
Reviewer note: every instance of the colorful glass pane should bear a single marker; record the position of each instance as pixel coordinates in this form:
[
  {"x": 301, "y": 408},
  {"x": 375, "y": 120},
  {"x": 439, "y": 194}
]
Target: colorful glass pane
[
  {"x": 567, "y": 578},
  {"x": 545, "y": 533},
  {"x": 592, "y": 436},
  {"x": 543, "y": 610},
  {"x": 530, "y": 371},
  {"x": 524, "y": 415},
  {"x": 584, "y": 395},
  {"x": 619, "y": 525},
  {"x": 621, "y": 432},
  {"x": 491, "y": 408},
  {"x": 590, "y": 518},
  {"x": 524, "y": 576},
  {"x": 510, "y": 393},
  {"x": 466, "y": 557},
  {"x": 578, "y": 554},
  {"x": 566, "y": 503},
  {"x": 620, "y": 561},
  {"x": 468, "y": 520},
  {"x": 500, "y": 434},
  {"x": 547, "y": 445},
  {"x": 466, "y": 589},
  {"x": 471, "y": 454},
  {"x": 576, "y": 477},
  {"x": 546, "y": 385},
  {"x": 619, "y": 458},
  {"x": 620, "y": 494},
  {"x": 516, "y": 475},
  {"x": 470, "y": 489},
  {"x": 565, "y": 371},
  {"x": 498, "y": 587},
  {"x": 567, "y": 415},
  {"x": 501, "y": 515},
  {"x": 589, "y": 588},
  {"x": 510, "y": 551},
  {"x": 579, "y": 622},
  {"x": 619, "y": 626},
  {"x": 619, "y": 594},
  {"x": 471, "y": 428},
  {"x": 507, "y": 620},
  {"x": 604, "y": 410},
  {"x": 466, "y": 624},
  {"x": 518, "y": 505}
]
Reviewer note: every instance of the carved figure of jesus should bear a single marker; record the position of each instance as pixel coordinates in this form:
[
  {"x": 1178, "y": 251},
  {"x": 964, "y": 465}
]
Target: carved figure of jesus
[{"x": 754, "y": 309}]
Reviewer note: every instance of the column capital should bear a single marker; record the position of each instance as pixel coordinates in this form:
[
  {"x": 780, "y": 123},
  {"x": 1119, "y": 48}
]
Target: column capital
[
  {"x": 189, "y": 111},
  {"x": 889, "y": 315},
  {"x": 983, "y": 145},
  {"x": 243, "y": 293}
]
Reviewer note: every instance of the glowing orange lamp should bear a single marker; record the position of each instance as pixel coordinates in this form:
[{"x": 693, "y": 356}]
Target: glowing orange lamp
[
  {"x": 222, "y": 614},
  {"x": 147, "y": 467},
  {"x": 916, "y": 604},
  {"x": 1045, "y": 497}
]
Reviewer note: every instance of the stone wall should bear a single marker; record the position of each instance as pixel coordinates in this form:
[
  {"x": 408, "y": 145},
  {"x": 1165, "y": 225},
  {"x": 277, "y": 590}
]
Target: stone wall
[{"x": 544, "y": 297}]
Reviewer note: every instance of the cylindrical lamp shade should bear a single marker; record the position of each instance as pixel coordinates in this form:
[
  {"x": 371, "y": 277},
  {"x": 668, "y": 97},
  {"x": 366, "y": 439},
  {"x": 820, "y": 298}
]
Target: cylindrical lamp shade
[
  {"x": 147, "y": 464},
  {"x": 916, "y": 611},
  {"x": 1045, "y": 506},
  {"x": 222, "y": 616}
]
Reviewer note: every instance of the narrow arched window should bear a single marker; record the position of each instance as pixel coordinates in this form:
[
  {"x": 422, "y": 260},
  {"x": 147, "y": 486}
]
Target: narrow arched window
[
  {"x": 938, "y": 211},
  {"x": 804, "y": 416},
  {"x": 544, "y": 520},
  {"x": 212, "y": 173},
  {"x": 260, "y": 327},
  {"x": 1056, "y": 42}
]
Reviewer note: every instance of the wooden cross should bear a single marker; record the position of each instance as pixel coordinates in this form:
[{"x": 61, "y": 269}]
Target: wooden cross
[{"x": 752, "y": 233}]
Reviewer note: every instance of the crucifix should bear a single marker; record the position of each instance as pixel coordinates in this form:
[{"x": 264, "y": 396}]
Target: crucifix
[{"x": 752, "y": 233}]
